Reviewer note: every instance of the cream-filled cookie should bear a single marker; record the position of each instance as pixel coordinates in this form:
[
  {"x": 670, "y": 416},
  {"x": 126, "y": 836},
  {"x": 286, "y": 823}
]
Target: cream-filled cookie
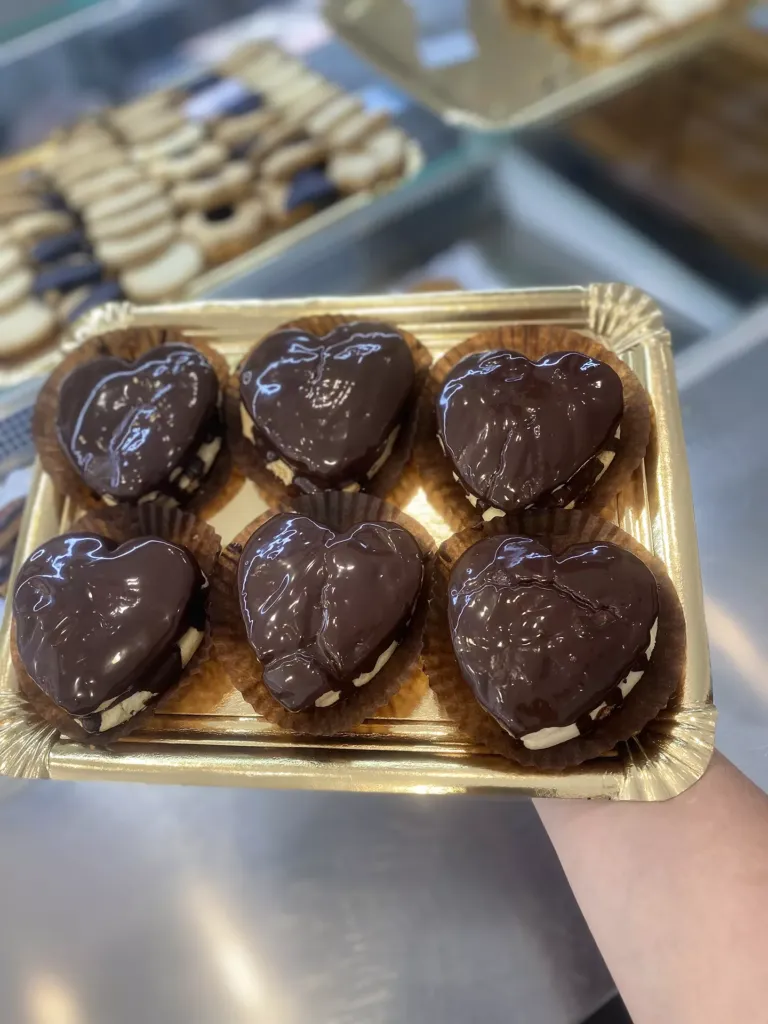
[
  {"x": 226, "y": 231},
  {"x": 186, "y": 136},
  {"x": 31, "y": 227},
  {"x": 14, "y": 287},
  {"x": 116, "y": 179},
  {"x": 353, "y": 172},
  {"x": 131, "y": 221},
  {"x": 231, "y": 183},
  {"x": 389, "y": 148},
  {"x": 354, "y": 130},
  {"x": 331, "y": 115},
  {"x": 132, "y": 250},
  {"x": 234, "y": 131},
  {"x": 29, "y": 324},
  {"x": 110, "y": 206},
  {"x": 155, "y": 126},
  {"x": 69, "y": 171},
  {"x": 11, "y": 258},
  {"x": 167, "y": 275},
  {"x": 285, "y": 162},
  {"x": 185, "y": 164}
]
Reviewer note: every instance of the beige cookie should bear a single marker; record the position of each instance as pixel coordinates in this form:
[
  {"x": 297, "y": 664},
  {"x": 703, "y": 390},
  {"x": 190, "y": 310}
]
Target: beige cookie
[
  {"x": 296, "y": 89},
  {"x": 300, "y": 109},
  {"x": 354, "y": 130},
  {"x": 226, "y": 231},
  {"x": 280, "y": 134},
  {"x": 389, "y": 148},
  {"x": 146, "y": 106},
  {"x": 353, "y": 172},
  {"x": 274, "y": 198},
  {"x": 166, "y": 276},
  {"x": 31, "y": 227},
  {"x": 270, "y": 76},
  {"x": 246, "y": 54},
  {"x": 24, "y": 327},
  {"x": 13, "y": 206},
  {"x": 156, "y": 125},
  {"x": 286, "y": 161},
  {"x": 131, "y": 221},
  {"x": 184, "y": 138},
  {"x": 203, "y": 159},
  {"x": 14, "y": 287},
  {"x": 88, "y": 190},
  {"x": 231, "y": 183},
  {"x": 132, "y": 250},
  {"x": 68, "y": 173},
  {"x": 11, "y": 258},
  {"x": 232, "y": 131},
  {"x": 111, "y": 205},
  {"x": 332, "y": 114}
]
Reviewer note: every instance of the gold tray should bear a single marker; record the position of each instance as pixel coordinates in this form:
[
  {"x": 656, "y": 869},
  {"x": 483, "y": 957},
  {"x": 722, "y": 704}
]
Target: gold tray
[
  {"x": 40, "y": 364},
  {"x": 516, "y": 74},
  {"x": 423, "y": 753}
]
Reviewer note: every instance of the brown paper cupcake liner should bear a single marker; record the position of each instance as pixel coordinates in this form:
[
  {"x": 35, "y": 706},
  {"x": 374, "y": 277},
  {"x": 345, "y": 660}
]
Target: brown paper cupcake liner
[
  {"x": 201, "y": 675},
  {"x": 396, "y": 480},
  {"x": 128, "y": 344},
  {"x": 338, "y": 511},
  {"x": 533, "y": 341},
  {"x": 558, "y": 530}
]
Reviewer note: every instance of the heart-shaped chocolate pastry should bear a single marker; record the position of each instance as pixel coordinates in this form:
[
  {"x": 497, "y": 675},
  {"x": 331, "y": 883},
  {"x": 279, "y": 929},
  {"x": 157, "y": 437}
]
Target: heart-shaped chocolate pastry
[
  {"x": 104, "y": 630},
  {"x": 126, "y": 427},
  {"x": 327, "y": 407},
  {"x": 550, "y": 643},
  {"x": 324, "y": 611},
  {"x": 525, "y": 434}
]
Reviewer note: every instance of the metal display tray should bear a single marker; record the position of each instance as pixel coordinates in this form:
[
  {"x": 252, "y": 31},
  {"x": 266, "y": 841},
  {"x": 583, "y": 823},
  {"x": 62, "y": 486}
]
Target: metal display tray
[
  {"x": 484, "y": 68},
  {"x": 40, "y": 364},
  {"x": 228, "y": 744}
]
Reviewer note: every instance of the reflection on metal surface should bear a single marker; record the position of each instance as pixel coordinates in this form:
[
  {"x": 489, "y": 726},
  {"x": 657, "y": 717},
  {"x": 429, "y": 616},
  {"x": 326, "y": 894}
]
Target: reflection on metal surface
[
  {"x": 507, "y": 74},
  {"x": 230, "y": 744}
]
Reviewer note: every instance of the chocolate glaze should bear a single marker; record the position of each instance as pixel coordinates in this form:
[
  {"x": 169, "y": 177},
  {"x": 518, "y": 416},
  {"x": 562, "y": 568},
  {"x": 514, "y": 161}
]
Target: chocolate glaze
[
  {"x": 522, "y": 433},
  {"x": 65, "y": 277},
  {"x": 96, "y": 622},
  {"x": 127, "y": 426},
  {"x": 48, "y": 250},
  {"x": 320, "y": 607},
  {"x": 311, "y": 186},
  {"x": 326, "y": 406},
  {"x": 204, "y": 81},
  {"x": 242, "y": 105},
  {"x": 542, "y": 639}
]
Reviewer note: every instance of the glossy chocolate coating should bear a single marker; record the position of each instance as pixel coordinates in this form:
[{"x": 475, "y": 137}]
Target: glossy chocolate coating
[
  {"x": 311, "y": 185},
  {"x": 95, "y": 621},
  {"x": 319, "y": 607},
  {"x": 126, "y": 426},
  {"x": 326, "y": 406},
  {"x": 522, "y": 433},
  {"x": 544, "y": 639}
]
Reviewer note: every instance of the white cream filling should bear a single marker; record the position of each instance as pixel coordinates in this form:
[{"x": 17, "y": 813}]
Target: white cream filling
[
  {"x": 114, "y": 712},
  {"x": 331, "y": 696},
  {"x": 207, "y": 453},
  {"x": 553, "y": 736},
  {"x": 605, "y": 457},
  {"x": 286, "y": 475},
  {"x": 387, "y": 451},
  {"x": 381, "y": 661}
]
